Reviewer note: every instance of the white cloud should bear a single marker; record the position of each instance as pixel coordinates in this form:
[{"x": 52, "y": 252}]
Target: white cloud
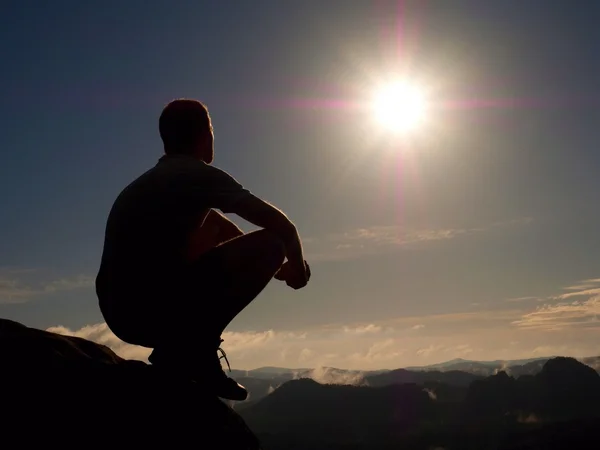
[
  {"x": 372, "y": 240},
  {"x": 524, "y": 299},
  {"x": 101, "y": 334},
  {"x": 583, "y": 288},
  {"x": 238, "y": 342},
  {"x": 380, "y": 352},
  {"x": 583, "y": 293},
  {"x": 431, "y": 393},
  {"x": 476, "y": 336},
  {"x": 573, "y": 310},
  {"x": 525, "y": 330},
  {"x": 330, "y": 375},
  {"x": 460, "y": 350},
  {"x": 14, "y": 289},
  {"x": 428, "y": 351},
  {"x": 579, "y": 287},
  {"x": 305, "y": 355},
  {"x": 68, "y": 284},
  {"x": 384, "y": 238},
  {"x": 362, "y": 329},
  {"x": 562, "y": 315}
]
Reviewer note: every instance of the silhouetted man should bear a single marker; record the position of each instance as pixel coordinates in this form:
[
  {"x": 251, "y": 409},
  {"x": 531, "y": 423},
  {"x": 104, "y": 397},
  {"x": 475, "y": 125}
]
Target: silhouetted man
[{"x": 174, "y": 271}]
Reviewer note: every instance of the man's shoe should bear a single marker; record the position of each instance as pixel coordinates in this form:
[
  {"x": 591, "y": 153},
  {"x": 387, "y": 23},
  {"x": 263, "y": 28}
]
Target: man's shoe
[
  {"x": 227, "y": 387},
  {"x": 212, "y": 373}
]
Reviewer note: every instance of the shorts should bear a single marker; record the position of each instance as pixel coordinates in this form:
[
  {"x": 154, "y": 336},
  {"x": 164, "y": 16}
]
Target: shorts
[{"x": 176, "y": 305}]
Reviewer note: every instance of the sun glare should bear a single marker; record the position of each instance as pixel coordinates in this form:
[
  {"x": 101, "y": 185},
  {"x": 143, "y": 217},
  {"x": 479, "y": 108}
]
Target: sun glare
[{"x": 399, "y": 107}]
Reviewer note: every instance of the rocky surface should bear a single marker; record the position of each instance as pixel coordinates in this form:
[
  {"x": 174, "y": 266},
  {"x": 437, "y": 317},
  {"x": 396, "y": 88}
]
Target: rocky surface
[{"x": 70, "y": 391}]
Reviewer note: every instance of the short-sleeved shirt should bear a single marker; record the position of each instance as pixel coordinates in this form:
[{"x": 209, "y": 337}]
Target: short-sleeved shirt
[{"x": 150, "y": 222}]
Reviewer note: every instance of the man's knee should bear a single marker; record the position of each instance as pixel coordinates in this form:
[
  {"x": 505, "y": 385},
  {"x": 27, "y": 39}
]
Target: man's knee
[{"x": 260, "y": 247}]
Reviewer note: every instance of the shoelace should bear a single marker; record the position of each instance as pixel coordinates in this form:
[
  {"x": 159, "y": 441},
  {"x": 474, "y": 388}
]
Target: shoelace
[{"x": 224, "y": 356}]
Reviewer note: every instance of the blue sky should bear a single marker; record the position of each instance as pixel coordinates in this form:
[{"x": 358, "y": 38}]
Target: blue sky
[{"x": 419, "y": 247}]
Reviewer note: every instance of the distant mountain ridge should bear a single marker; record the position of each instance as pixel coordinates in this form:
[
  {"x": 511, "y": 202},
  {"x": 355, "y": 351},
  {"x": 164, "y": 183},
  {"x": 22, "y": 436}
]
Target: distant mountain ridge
[
  {"x": 262, "y": 381},
  {"x": 495, "y": 412},
  {"x": 515, "y": 367},
  {"x": 475, "y": 367},
  {"x": 460, "y": 361}
]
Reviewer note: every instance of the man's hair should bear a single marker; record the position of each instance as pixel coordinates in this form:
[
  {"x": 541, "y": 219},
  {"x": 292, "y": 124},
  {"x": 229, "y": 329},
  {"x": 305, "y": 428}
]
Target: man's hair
[{"x": 182, "y": 123}]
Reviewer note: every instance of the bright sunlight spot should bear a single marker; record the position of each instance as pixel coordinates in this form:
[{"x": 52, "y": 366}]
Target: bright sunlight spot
[{"x": 399, "y": 107}]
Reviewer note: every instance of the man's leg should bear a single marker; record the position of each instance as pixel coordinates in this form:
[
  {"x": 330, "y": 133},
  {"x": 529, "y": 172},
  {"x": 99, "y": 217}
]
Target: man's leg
[
  {"x": 246, "y": 265},
  {"x": 222, "y": 282}
]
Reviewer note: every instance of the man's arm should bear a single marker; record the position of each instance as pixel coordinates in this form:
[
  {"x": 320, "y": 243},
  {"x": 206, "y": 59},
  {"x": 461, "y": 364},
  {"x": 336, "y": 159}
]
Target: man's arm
[
  {"x": 229, "y": 196},
  {"x": 226, "y": 229},
  {"x": 267, "y": 216}
]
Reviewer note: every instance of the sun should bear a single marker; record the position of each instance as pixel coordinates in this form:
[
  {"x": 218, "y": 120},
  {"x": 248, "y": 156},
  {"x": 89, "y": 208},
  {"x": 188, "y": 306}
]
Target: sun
[{"x": 399, "y": 107}]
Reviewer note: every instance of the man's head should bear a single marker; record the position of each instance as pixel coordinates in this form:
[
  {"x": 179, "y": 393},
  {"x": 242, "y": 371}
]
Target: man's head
[{"x": 185, "y": 128}]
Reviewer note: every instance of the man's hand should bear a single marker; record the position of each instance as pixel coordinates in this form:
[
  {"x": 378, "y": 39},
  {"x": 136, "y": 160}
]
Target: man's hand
[{"x": 293, "y": 277}]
